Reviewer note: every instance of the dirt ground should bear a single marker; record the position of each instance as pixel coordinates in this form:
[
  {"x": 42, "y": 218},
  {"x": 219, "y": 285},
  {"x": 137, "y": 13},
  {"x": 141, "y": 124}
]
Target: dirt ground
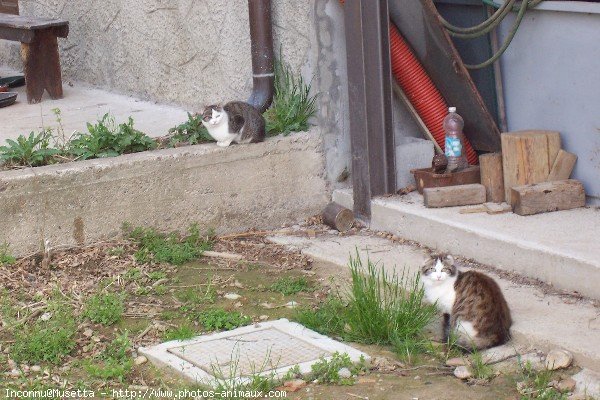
[{"x": 150, "y": 313}]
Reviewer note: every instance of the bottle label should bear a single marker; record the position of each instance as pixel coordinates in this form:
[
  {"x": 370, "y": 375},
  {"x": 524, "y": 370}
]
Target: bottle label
[{"x": 453, "y": 147}]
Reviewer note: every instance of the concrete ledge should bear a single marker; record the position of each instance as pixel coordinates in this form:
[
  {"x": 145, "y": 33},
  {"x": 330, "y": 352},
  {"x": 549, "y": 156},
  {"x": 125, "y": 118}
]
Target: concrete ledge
[
  {"x": 543, "y": 321},
  {"x": 230, "y": 189},
  {"x": 559, "y": 248}
]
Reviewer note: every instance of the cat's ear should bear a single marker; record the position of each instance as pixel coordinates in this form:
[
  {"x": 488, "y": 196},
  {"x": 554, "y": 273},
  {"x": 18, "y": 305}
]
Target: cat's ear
[
  {"x": 427, "y": 264},
  {"x": 450, "y": 259}
]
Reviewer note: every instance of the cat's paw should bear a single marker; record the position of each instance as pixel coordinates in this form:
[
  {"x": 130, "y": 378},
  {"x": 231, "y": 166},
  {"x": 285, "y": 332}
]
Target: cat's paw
[{"x": 223, "y": 144}]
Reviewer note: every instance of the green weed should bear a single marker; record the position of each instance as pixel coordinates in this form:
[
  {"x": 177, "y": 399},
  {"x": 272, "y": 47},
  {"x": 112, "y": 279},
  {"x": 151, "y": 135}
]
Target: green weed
[
  {"x": 105, "y": 308},
  {"x": 169, "y": 248},
  {"x": 161, "y": 290},
  {"x": 29, "y": 151},
  {"x": 157, "y": 275},
  {"x": 5, "y": 257},
  {"x": 116, "y": 251},
  {"x": 480, "y": 369},
  {"x": 535, "y": 385},
  {"x": 292, "y": 103},
  {"x": 133, "y": 274},
  {"x": 218, "y": 319},
  {"x": 291, "y": 285},
  {"x": 49, "y": 340},
  {"x": 114, "y": 362},
  {"x": 182, "y": 332},
  {"x": 327, "y": 371},
  {"x": 191, "y": 132},
  {"x": 328, "y": 318}
]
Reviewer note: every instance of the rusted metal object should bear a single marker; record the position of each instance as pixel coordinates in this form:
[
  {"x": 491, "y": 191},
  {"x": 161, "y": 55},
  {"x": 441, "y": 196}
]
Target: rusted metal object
[
  {"x": 439, "y": 163},
  {"x": 427, "y": 178},
  {"x": 338, "y": 217},
  {"x": 419, "y": 23}
]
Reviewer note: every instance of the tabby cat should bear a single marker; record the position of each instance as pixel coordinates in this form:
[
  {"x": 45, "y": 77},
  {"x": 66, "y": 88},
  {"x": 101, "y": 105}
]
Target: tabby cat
[{"x": 472, "y": 304}]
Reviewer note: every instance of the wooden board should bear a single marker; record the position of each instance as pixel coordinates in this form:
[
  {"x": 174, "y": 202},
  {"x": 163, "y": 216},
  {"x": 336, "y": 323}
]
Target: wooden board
[
  {"x": 547, "y": 196},
  {"x": 554, "y": 142},
  {"x": 563, "y": 166},
  {"x": 451, "y": 196},
  {"x": 491, "y": 176},
  {"x": 524, "y": 160}
]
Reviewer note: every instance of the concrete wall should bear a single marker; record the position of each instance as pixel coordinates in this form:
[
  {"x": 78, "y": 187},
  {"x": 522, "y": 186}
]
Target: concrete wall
[
  {"x": 192, "y": 52},
  {"x": 551, "y": 80},
  {"x": 255, "y": 186}
]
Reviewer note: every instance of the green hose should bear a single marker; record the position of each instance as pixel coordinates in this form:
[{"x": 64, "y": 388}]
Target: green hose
[
  {"x": 492, "y": 22},
  {"x": 509, "y": 39},
  {"x": 498, "y": 15}
]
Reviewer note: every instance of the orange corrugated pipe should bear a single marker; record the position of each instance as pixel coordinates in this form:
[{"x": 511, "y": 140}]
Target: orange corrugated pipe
[{"x": 420, "y": 90}]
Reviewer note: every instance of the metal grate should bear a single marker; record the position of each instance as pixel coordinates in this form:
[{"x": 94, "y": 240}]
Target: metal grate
[{"x": 248, "y": 353}]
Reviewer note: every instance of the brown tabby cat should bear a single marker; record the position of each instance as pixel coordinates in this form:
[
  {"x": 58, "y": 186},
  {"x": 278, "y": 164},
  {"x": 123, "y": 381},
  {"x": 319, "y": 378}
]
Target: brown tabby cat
[{"x": 472, "y": 303}]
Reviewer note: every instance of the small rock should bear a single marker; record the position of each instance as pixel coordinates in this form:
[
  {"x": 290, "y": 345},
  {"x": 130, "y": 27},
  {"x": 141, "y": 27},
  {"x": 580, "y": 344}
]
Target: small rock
[
  {"x": 232, "y": 296},
  {"x": 416, "y": 378},
  {"x": 344, "y": 373},
  {"x": 25, "y": 368},
  {"x": 88, "y": 333},
  {"x": 566, "y": 385},
  {"x": 237, "y": 284},
  {"x": 456, "y": 362},
  {"x": 96, "y": 339},
  {"x": 263, "y": 317},
  {"x": 291, "y": 304},
  {"x": 15, "y": 372},
  {"x": 294, "y": 385},
  {"x": 46, "y": 316},
  {"x": 238, "y": 304},
  {"x": 268, "y": 306},
  {"x": 588, "y": 383},
  {"x": 462, "y": 372},
  {"x": 557, "y": 359},
  {"x": 35, "y": 368},
  {"x": 498, "y": 354},
  {"x": 139, "y": 360},
  {"x": 11, "y": 363}
]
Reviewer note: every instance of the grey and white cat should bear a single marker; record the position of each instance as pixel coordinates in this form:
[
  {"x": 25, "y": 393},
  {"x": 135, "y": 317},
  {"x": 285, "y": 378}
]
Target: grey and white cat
[
  {"x": 472, "y": 304},
  {"x": 236, "y": 121}
]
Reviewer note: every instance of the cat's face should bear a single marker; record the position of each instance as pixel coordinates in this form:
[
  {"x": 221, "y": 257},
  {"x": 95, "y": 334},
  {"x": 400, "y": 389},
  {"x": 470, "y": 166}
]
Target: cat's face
[
  {"x": 438, "y": 269},
  {"x": 212, "y": 115}
]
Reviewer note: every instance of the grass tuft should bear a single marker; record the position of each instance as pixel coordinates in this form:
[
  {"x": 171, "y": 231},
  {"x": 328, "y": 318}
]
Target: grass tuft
[
  {"x": 169, "y": 248},
  {"x": 291, "y": 285},
  {"x": 378, "y": 308},
  {"x": 105, "y": 308},
  {"x": 327, "y": 371},
  {"x": 48, "y": 341},
  {"x": 292, "y": 104},
  {"x": 536, "y": 385},
  {"x": 5, "y": 257},
  {"x": 217, "y": 319},
  {"x": 114, "y": 362},
  {"x": 182, "y": 332}
]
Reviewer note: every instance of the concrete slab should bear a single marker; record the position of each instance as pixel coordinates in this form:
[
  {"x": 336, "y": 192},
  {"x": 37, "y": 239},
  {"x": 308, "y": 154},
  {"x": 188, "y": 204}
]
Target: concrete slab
[
  {"x": 560, "y": 248},
  {"x": 588, "y": 383},
  {"x": 82, "y": 104},
  {"x": 229, "y": 189},
  {"x": 268, "y": 348},
  {"x": 541, "y": 321}
]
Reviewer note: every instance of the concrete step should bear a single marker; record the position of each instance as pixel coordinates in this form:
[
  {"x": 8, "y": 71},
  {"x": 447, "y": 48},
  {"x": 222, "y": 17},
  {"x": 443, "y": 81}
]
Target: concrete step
[
  {"x": 541, "y": 320},
  {"x": 559, "y": 248}
]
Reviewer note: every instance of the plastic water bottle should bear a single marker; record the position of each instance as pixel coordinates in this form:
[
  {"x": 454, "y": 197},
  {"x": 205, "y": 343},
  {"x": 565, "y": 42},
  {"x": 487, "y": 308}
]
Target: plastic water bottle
[{"x": 454, "y": 149}]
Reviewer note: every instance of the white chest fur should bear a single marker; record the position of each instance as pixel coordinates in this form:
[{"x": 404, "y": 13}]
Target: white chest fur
[
  {"x": 443, "y": 292},
  {"x": 220, "y": 132}
]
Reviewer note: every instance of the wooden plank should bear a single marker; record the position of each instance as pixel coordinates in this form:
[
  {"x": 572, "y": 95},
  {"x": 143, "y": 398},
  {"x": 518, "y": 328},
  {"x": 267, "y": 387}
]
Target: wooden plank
[
  {"x": 548, "y": 196},
  {"x": 411, "y": 109},
  {"x": 524, "y": 160},
  {"x": 450, "y": 196},
  {"x": 554, "y": 142},
  {"x": 41, "y": 67},
  {"x": 563, "y": 166},
  {"x": 32, "y": 23},
  {"x": 419, "y": 23},
  {"x": 492, "y": 177}
]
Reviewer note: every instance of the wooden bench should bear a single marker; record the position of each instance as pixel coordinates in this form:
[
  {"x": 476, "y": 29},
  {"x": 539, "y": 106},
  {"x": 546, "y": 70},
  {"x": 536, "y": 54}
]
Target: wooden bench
[{"x": 39, "y": 51}]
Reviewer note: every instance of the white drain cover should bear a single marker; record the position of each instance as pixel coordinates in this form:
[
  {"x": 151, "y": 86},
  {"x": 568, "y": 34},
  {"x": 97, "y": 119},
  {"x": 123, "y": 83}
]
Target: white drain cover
[{"x": 269, "y": 348}]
